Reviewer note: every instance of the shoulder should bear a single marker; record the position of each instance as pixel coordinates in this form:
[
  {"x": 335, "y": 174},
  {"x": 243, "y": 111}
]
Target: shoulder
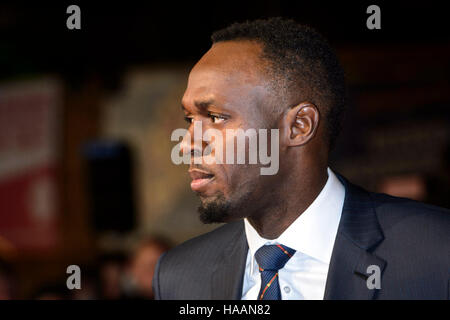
[
  {"x": 397, "y": 213},
  {"x": 183, "y": 271},
  {"x": 413, "y": 230},
  {"x": 207, "y": 246},
  {"x": 405, "y": 224},
  {"x": 392, "y": 211},
  {"x": 415, "y": 246},
  {"x": 399, "y": 218}
]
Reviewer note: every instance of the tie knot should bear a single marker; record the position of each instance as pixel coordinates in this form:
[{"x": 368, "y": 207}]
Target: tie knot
[{"x": 273, "y": 257}]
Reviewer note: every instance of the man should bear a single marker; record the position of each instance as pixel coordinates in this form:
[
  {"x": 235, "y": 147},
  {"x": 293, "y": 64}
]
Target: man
[{"x": 304, "y": 232}]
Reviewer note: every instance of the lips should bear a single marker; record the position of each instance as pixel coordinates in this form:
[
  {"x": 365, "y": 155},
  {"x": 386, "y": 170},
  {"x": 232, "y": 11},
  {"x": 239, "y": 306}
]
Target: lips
[{"x": 200, "y": 179}]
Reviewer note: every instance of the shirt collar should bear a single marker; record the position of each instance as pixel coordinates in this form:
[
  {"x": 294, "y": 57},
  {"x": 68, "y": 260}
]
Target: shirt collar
[{"x": 314, "y": 231}]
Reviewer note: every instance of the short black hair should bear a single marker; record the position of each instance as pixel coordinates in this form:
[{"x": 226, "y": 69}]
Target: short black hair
[{"x": 301, "y": 56}]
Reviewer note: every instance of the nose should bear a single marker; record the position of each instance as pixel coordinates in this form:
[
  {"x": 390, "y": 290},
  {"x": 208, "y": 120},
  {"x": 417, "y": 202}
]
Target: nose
[{"x": 191, "y": 144}]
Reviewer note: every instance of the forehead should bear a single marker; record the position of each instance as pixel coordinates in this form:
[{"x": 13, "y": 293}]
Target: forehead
[{"x": 229, "y": 72}]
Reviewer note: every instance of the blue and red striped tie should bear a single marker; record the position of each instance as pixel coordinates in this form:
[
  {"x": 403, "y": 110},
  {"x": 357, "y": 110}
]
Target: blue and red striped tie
[{"x": 271, "y": 258}]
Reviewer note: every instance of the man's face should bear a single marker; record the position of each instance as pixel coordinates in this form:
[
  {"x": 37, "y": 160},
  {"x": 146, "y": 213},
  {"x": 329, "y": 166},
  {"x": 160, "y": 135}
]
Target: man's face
[{"x": 227, "y": 89}]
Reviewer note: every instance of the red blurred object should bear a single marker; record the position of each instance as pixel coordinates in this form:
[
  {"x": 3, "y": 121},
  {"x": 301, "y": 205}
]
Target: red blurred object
[{"x": 28, "y": 163}]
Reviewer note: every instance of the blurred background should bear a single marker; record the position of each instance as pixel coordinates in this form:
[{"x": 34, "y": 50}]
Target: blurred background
[{"x": 86, "y": 116}]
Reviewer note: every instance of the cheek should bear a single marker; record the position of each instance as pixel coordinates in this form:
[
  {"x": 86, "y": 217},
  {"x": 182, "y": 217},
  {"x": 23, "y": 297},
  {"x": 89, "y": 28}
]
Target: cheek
[
  {"x": 223, "y": 176},
  {"x": 238, "y": 177}
]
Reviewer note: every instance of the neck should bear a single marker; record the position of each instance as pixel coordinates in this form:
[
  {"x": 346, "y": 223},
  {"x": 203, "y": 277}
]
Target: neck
[{"x": 288, "y": 202}]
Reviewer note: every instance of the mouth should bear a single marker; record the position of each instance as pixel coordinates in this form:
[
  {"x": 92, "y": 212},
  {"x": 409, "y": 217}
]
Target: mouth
[{"x": 200, "y": 179}]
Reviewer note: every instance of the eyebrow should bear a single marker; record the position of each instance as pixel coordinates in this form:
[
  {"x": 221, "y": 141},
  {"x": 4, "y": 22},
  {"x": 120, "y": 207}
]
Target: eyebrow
[{"x": 202, "y": 105}]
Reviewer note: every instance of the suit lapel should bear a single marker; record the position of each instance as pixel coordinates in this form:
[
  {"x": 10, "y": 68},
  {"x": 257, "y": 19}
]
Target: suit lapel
[
  {"x": 358, "y": 234},
  {"x": 227, "y": 279}
]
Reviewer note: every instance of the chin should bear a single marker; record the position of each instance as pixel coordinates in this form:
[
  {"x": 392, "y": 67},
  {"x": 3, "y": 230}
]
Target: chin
[{"x": 214, "y": 209}]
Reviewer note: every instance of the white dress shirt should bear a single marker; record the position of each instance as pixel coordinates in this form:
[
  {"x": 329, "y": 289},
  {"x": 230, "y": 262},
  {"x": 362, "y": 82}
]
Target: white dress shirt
[{"x": 312, "y": 235}]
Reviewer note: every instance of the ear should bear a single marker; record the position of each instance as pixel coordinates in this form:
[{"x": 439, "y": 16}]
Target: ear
[{"x": 300, "y": 124}]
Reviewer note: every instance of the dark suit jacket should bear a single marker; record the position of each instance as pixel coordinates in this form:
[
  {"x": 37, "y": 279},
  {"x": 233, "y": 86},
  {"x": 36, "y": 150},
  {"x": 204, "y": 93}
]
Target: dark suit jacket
[{"x": 408, "y": 240}]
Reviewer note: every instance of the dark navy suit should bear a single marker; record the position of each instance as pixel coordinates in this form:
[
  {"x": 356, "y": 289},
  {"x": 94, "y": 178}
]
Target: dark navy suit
[{"x": 409, "y": 241}]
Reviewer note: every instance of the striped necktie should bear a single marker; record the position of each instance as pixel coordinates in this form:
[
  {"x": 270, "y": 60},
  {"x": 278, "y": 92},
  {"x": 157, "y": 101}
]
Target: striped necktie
[{"x": 271, "y": 258}]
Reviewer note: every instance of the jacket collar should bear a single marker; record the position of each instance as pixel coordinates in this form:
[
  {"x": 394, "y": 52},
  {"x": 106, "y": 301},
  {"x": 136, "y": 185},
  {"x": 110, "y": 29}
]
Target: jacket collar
[
  {"x": 227, "y": 278},
  {"x": 359, "y": 233}
]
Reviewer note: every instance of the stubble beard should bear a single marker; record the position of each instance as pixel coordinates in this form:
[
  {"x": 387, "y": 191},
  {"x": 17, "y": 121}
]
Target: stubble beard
[{"x": 222, "y": 210}]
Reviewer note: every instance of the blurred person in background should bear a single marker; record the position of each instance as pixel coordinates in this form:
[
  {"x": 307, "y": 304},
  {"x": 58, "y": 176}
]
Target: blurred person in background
[
  {"x": 111, "y": 270},
  {"x": 412, "y": 186},
  {"x": 141, "y": 267},
  {"x": 430, "y": 188}
]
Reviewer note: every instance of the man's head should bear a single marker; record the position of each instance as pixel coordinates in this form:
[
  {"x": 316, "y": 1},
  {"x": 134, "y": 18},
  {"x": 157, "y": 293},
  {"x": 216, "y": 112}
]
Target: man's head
[{"x": 265, "y": 74}]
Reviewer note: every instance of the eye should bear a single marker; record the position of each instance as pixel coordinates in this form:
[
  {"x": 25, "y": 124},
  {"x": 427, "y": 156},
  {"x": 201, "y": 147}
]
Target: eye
[
  {"x": 188, "y": 119},
  {"x": 216, "y": 118}
]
